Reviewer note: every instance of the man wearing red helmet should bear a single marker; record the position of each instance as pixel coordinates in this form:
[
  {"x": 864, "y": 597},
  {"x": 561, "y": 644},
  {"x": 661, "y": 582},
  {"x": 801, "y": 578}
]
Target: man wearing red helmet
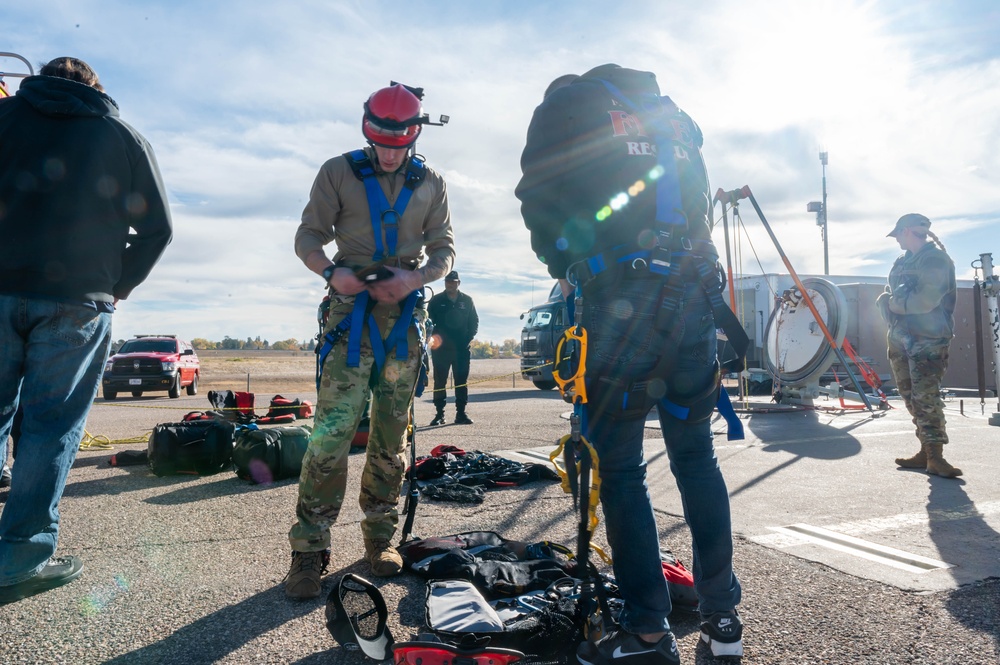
[{"x": 387, "y": 212}]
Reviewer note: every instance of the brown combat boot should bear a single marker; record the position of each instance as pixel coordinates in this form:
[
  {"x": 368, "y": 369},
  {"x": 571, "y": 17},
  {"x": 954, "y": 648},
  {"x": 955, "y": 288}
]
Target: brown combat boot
[
  {"x": 918, "y": 461},
  {"x": 382, "y": 557},
  {"x": 303, "y": 578},
  {"x": 936, "y": 463}
]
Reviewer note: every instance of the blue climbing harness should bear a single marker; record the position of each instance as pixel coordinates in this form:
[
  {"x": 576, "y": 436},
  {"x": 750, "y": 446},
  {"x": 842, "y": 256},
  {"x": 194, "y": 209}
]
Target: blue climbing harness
[
  {"x": 385, "y": 217},
  {"x": 673, "y": 255}
]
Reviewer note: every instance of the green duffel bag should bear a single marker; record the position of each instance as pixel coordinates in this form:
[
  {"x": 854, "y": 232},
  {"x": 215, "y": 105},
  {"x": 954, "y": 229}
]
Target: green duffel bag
[{"x": 264, "y": 455}]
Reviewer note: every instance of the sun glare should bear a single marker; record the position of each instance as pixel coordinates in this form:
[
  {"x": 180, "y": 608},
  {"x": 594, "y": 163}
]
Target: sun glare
[{"x": 811, "y": 60}]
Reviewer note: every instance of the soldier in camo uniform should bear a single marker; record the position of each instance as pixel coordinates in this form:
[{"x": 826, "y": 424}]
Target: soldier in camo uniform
[
  {"x": 338, "y": 211},
  {"x": 919, "y": 305}
]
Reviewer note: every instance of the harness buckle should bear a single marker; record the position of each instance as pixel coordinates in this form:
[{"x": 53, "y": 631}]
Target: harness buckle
[
  {"x": 660, "y": 260},
  {"x": 390, "y": 217},
  {"x": 579, "y": 273}
]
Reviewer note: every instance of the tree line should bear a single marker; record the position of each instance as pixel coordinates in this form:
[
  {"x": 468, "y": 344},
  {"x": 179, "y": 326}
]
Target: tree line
[
  {"x": 510, "y": 348},
  {"x": 250, "y": 344}
]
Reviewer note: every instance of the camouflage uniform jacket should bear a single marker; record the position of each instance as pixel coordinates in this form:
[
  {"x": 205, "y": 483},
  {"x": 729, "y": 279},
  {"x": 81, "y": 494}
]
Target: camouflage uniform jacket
[
  {"x": 922, "y": 302},
  {"x": 338, "y": 211}
]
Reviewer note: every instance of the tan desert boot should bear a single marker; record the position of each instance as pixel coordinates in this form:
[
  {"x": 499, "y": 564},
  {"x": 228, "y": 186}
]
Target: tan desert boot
[
  {"x": 918, "y": 461},
  {"x": 303, "y": 578},
  {"x": 936, "y": 463},
  {"x": 382, "y": 557}
]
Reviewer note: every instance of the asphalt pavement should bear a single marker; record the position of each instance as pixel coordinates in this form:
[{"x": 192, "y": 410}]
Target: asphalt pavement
[{"x": 843, "y": 558}]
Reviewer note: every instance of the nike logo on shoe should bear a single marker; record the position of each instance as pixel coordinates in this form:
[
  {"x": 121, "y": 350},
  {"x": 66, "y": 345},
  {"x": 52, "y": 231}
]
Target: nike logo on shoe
[{"x": 621, "y": 653}]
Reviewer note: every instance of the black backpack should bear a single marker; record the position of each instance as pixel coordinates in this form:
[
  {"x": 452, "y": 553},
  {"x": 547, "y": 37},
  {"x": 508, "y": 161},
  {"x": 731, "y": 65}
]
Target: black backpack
[
  {"x": 199, "y": 447},
  {"x": 263, "y": 456}
]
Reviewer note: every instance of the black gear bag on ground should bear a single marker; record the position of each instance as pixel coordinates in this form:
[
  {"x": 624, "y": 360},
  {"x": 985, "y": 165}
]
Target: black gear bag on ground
[
  {"x": 200, "y": 447},
  {"x": 499, "y": 568},
  {"x": 543, "y": 625},
  {"x": 263, "y": 456}
]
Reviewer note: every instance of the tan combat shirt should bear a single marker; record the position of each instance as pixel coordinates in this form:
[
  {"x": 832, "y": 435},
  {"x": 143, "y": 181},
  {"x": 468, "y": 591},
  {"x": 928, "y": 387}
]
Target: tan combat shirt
[{"x": 338, "y": 212}]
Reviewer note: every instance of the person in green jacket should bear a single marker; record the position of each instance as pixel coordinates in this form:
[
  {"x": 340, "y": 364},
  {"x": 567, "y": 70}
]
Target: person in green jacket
[{"x": 919, "y": 306}]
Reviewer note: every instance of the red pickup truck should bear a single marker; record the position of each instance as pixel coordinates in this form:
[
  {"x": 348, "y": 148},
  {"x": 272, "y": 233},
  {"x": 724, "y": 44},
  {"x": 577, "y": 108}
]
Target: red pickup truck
[{"x": 149, "y": 363}]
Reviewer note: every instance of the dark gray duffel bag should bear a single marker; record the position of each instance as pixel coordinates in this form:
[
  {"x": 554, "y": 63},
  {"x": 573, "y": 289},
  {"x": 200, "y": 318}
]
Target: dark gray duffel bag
[
  {"x": 264, "y": 455},
  {"x": 197, "y": 447}
]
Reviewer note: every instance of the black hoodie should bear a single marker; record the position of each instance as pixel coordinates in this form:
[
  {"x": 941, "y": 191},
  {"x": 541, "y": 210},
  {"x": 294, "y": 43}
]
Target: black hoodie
[
  {"x": 585, "y": 149},
  {"x": 74, "y": 179}
]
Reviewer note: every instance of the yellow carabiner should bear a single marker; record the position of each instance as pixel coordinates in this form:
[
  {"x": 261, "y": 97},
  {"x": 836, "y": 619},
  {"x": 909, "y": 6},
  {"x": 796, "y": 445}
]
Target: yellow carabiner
[
  {"x": 595, "y": 475},
  {"x": 574, "y": 388},
  {"x": 601, "y": 553}
]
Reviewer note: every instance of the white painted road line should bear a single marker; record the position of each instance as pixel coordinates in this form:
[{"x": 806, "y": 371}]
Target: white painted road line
[{"x": 800, "y": 534}]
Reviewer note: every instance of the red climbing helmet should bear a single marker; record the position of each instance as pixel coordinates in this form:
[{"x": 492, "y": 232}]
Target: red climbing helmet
[{"x": 392, "y": 116}]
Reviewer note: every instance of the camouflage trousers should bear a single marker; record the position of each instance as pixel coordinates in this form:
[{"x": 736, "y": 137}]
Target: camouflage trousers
[
  {"x": 343, "y": 392},
  {"x": 918, "y": 379}
]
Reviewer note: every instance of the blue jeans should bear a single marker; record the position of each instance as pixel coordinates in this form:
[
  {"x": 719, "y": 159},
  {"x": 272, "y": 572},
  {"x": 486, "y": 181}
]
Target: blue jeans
[
  {"x": 625, "y": 345},
  {"x": 51, "y": 358}
]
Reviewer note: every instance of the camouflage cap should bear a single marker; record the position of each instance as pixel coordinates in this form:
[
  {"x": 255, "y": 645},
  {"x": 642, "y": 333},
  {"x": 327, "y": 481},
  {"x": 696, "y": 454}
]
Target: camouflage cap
[{"x": 910, "y": 220}]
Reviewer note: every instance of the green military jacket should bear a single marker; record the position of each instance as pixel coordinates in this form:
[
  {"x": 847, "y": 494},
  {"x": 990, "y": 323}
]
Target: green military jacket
[{"x": 921, "y": 304}]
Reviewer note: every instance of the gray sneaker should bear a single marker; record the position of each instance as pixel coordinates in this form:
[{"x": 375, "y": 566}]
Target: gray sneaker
[{"x": 58, "y": 570}]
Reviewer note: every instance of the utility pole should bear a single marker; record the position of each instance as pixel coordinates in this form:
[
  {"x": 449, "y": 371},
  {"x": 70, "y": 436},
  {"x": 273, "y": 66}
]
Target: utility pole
[
  {"x": 820, "y": 209},
  {"x": 826, "y": 229}
]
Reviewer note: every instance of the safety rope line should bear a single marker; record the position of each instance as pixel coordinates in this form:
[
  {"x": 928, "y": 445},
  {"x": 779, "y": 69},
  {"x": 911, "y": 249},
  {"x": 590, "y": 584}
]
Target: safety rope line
[
  {"x": 564, "y": 478},
  {"x": 580, "y": 455},
  {"x": 574, "y": 391},
  {"x": 101, "y": 442},
  {"x": 467, "y": 384},
  {"x": 501, "y": 376}
]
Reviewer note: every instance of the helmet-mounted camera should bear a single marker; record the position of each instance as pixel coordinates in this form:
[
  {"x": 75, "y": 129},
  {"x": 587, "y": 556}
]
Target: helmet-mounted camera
[{"x": 393, "y": 116}]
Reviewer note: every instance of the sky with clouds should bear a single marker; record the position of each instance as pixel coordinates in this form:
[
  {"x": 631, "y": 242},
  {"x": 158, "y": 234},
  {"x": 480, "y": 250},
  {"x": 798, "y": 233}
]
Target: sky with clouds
[{"x": 243, "y": 101}]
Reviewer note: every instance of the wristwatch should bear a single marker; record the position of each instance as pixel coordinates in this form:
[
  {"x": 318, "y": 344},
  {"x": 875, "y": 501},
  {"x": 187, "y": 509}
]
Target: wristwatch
[{"x": 328, "y": 273}]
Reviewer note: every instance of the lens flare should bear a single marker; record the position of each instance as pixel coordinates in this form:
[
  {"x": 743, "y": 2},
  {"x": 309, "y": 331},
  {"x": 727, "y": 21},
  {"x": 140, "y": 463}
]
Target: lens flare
[
  {"x": 97, "y": 600},
  {"x": 260, "y": 472},
  {"x": 637, "y": 188}
]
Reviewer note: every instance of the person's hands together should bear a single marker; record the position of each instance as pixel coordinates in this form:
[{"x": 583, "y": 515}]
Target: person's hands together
[
  {"x": 346, "y": 282},
  {"x": 402, "y": 284}
]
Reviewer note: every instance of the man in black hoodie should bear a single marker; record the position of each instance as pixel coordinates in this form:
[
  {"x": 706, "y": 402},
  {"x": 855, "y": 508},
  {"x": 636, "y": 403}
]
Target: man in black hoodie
[
  {"x": 615, "y": 194},
  {"x": 84, "y": 218}
]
